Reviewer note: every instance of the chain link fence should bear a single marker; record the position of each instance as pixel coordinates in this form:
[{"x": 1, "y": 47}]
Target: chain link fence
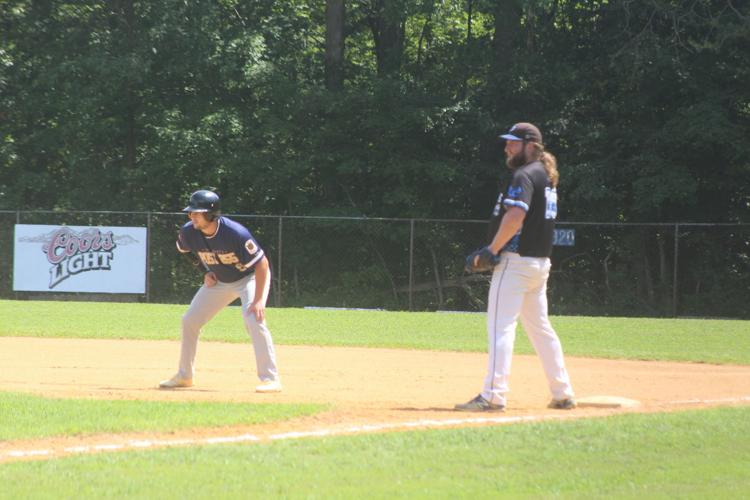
[{"x": 601, "y": 269}]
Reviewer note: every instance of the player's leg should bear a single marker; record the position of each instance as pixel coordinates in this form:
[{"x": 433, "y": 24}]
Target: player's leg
[
  {"x": 208, "y": 301},
  {"x": 535, "y": 320},
  {"x": 503, "y": 305},
  {"x": 265, "y": 354}
]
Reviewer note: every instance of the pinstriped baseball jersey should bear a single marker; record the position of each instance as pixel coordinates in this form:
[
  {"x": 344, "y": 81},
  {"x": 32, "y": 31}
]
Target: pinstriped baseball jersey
[{"x": 231, "y": 252}]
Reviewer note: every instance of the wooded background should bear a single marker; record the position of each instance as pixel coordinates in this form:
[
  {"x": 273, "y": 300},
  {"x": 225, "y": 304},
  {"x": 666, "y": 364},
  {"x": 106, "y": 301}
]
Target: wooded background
[{"x": 381, "y": 108}]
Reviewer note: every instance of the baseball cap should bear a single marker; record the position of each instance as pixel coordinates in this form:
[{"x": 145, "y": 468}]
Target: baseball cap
[{"x": 523, "y": 132}]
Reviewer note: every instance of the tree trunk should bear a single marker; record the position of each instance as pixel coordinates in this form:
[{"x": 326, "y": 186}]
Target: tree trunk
[
  {"x": 426, "y": 31},
  {"x": 131, "y": 101},
  {"x": 387, "y": 22},
  {"x": 334, "y": 57},
  {"x": 467, "y": 50},
  {"x": 131, "y": 145},
  {"x": 504, "y": 43},
  {"x": 530, "y": 27},
  {"x": 507, "y": 30}
]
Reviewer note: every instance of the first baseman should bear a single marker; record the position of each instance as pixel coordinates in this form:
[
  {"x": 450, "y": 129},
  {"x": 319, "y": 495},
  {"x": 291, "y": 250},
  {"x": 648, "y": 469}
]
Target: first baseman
[
  {"x": 234, "y": 266},
  {"x": 522, "y": 227}
]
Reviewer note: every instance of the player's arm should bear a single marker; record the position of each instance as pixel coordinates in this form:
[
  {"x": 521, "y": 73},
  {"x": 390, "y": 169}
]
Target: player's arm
[
  {"x": 516, "y": 204},
  {"x": 185, "y": 251},
  {"x": 510, "y": 224},
  {"x": 262, "y": 285},
  {"x": 209, "y": 278},
  {"x": 194, "y": 261}
]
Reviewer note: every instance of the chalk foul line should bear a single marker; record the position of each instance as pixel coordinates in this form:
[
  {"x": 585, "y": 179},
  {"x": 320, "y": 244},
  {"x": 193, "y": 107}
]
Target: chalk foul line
[
  {"x": 241, "y": 438},
  {"x": 333, "y": 431}
]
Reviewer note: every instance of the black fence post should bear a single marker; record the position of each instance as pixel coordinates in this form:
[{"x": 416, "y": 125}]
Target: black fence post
[
  {"x": 411, "y": 262},
  {"x": 148, "y": 256},
  {"x": 278, "y": 277},
  {"x": 674, "y": 271}
]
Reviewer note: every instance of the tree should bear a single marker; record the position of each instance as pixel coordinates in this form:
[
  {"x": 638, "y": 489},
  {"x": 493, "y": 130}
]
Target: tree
[
  {"x": 387, "y": 21},
  {"x": 335, "y": 12}
]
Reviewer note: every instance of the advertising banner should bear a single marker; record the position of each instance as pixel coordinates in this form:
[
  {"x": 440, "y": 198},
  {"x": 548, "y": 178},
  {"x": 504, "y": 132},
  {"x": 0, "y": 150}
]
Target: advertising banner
[{"x": 79, "y": 259}]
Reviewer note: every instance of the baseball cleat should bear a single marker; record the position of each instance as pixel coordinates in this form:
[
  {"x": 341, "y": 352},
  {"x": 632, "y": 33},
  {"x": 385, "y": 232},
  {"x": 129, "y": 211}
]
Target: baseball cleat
[
  {"x": 175, "y": 382},
  {"x": 479, "y": 404},
  {"x": 269, "y": 386},
  {"x": 562, "y": 404}
]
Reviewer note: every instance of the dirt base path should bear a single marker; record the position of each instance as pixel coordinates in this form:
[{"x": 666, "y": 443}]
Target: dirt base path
[{"x": 365, "y": 387}]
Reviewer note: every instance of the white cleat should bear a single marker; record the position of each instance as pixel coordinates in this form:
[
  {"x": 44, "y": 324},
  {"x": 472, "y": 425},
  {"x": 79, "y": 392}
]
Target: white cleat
[
  {"x": 269, "y": 386},
  {"x": 175, "y": 382}
]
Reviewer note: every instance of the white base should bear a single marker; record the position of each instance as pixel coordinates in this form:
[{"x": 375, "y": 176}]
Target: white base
[{"x": 606, "y": 402}]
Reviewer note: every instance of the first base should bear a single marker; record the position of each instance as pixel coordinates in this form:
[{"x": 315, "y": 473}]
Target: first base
[{"x": 606, "y": 402}]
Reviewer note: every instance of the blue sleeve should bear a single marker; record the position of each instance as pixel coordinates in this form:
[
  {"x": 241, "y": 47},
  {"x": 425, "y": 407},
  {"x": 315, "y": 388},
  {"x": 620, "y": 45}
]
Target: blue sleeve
[
  {"x": 183, "y": 245},
  {"x": 250, "y": 251},
  {"x": 520, "y": 191}
]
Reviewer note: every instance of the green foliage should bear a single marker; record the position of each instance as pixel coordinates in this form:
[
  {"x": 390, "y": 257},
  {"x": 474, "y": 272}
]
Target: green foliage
[
  {"x": 132, "y": 105},
  {"x": 654, "y": 131}
]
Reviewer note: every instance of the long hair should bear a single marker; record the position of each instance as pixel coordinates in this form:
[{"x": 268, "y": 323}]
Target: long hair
[{"x": 549, "y": 161}]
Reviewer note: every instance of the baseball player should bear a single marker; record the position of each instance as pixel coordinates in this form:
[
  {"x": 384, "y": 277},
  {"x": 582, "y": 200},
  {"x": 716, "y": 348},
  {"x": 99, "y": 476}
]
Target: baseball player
[
  {"x": 521, "y": 229},
  {"x": 234, "y": 265}
]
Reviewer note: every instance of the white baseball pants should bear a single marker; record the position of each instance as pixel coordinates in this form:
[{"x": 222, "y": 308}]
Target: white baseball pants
[
  {"x": 206, "y": 304},
  {"x": 519, "y": 287}
]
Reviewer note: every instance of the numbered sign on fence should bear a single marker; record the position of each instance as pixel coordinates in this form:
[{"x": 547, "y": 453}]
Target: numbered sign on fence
[{"x": 564, "y": 237}]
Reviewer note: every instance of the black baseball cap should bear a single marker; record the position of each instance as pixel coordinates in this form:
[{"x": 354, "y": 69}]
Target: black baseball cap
[
  {"x": 523, "y": 132},
  {"x": 203, "y": 201}
]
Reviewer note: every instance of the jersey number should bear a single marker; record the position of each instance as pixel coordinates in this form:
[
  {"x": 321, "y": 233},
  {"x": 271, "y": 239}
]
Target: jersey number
[{"x": 550, "y": 196}]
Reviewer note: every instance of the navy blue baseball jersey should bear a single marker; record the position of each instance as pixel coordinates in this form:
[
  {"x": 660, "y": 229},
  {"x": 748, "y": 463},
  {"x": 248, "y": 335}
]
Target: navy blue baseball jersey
[
  {"x": 530, "y": 190},
  {"x": 231, "y": 253}
]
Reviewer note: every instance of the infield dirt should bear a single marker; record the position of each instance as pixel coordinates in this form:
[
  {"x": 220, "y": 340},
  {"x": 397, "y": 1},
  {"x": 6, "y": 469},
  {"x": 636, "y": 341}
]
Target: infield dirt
[{"x": 361, "y": 385}]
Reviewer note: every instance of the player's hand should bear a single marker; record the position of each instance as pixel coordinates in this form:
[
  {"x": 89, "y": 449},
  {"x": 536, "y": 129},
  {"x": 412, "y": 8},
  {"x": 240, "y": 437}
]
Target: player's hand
[
  {"x": 481, "y": 260},
  {"x": 209, "y": 279},
  {"x": 258, "y": 309}
]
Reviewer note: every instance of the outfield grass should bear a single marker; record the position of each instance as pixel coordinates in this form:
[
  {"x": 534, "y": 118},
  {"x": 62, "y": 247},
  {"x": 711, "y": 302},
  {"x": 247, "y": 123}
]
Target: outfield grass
[
  {"x": 698, "y": 340},
  {"x": 23, "y": 416},
  {"x": 695, "y": 454}
]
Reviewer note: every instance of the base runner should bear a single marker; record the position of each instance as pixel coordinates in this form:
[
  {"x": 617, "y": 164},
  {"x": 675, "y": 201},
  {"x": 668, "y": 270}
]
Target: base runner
[{"x": 234, "y": 266}]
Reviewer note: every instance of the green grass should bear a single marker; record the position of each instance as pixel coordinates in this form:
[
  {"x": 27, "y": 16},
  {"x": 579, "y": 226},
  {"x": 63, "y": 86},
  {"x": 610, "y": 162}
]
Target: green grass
[
  {"x": 696, "y": 454},
  {"x": 24, "y": 416},
  {"x": 698, "y": 340}
]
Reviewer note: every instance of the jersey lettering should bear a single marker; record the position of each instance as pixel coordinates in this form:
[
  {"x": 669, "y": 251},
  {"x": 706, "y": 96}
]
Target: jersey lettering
[
  {"x": 498, "y": 205},
  {"x": 550, "y": 196},
  {"x": 208, "y": 258},
  {"x": 515, "y": 191},
  {"x": 228, "y": 258}
]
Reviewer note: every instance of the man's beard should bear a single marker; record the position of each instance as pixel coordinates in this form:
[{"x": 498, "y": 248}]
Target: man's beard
[{"x": 517, "y": 160}]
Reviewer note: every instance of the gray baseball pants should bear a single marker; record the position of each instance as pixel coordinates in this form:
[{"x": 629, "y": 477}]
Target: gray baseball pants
[{"x": 206, "y": 304}]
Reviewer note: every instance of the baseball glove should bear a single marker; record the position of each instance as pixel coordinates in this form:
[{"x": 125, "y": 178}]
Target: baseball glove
[{"x": 481, "y": 260}]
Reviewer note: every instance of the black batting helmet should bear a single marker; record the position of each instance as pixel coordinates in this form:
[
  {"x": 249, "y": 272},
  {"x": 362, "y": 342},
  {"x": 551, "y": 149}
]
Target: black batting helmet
[{"x": 204, "y": 201}]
